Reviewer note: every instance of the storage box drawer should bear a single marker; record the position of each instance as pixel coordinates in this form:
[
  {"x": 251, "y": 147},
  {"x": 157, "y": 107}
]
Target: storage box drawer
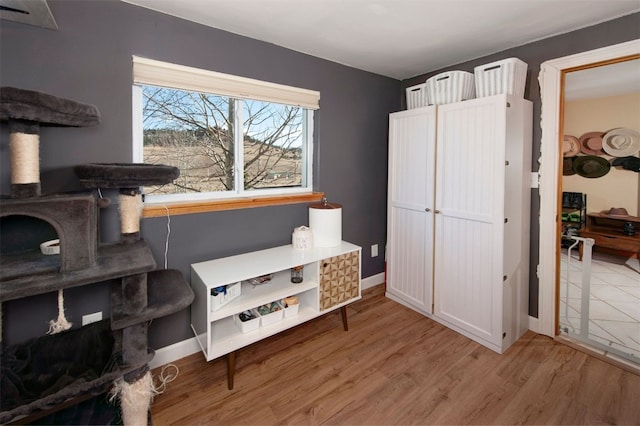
[
  {"x": 270, "y": 313},
  {"x": 247, "y": 321},
  {"x": 291, "y": 305}
]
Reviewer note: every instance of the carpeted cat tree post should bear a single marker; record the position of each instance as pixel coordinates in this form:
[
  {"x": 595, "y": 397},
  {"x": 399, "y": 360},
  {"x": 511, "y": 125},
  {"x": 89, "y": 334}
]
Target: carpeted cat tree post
[{"x": 135, "y": 390}]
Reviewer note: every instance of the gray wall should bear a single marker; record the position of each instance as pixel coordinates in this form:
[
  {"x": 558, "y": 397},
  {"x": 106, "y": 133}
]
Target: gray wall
[
  {"x": 89, "y": 60},
  {"x": 605, "y": 34}
]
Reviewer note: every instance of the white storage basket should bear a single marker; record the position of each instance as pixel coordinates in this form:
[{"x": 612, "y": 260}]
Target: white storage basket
[
  {"x": 450, "y": 86},
  {"x": 508, "y": 76},
  {"x": 230, "y": 292},
  {"x": 417, "y": 96}
]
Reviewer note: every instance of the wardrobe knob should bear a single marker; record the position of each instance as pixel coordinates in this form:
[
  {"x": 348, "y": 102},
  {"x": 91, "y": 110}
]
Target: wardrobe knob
[
  {"x": 427, "y": 209},
  {"x": 437, "y": 211}
]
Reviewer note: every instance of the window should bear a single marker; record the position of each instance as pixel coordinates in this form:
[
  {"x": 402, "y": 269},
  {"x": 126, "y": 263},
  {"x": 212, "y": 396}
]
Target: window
[{"x": 229, "y": 136}]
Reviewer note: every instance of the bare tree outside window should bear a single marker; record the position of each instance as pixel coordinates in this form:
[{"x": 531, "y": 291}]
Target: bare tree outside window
[{"x": 196, "y": 132}]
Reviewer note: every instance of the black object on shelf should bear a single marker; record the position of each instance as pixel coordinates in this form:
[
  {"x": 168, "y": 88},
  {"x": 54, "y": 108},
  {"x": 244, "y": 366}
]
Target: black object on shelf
[{"x": 574, "y": 215}]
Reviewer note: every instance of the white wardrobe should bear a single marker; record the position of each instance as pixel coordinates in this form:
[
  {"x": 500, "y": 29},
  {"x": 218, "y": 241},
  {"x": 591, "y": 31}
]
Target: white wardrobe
[{"x": 458, "y": 215}]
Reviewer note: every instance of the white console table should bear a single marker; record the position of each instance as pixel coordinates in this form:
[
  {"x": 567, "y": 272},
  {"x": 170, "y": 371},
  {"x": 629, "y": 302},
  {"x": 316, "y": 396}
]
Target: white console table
[{"x": 331, "y": 281}]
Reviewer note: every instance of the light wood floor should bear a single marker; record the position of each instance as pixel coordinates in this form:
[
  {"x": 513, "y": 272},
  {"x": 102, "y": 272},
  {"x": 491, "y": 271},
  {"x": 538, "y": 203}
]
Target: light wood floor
[{"x": 395, "y": 366}]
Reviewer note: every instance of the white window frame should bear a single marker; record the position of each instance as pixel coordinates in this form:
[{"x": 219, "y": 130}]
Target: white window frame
[{"x": 164, "y": 74}]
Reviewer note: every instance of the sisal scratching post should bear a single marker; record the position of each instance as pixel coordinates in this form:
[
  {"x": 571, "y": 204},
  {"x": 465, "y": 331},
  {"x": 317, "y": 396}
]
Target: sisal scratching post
[
  {"x": 25, "y": 158},
  {"x": 26, "y": 111},
  {"x": 135, "y": 399},
  {"x": 130, "y": 212},
  {"x": 24, "y": 147}
]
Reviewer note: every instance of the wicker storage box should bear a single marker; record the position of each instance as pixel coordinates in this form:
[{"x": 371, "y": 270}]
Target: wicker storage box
[
  {"x": 450, "y": 86},
  {"x": 508, "y": 76},
  {"x": 417, "y": 96}
]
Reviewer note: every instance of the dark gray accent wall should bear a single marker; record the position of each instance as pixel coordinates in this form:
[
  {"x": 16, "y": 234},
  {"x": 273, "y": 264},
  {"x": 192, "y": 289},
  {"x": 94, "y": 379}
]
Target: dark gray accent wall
[
  {"x": 534, "y": 54},
  {"x": 89, "y": 60}
]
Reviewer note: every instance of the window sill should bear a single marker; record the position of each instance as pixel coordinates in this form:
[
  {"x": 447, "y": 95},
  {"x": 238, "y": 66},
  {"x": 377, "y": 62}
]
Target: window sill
[{"x": 157, "y": 210}]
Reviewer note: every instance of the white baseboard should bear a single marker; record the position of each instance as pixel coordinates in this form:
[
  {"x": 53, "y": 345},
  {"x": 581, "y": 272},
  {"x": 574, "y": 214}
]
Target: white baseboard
[
  {"x": 188, "y": 347},
  {"x": 372, "y": 281},
  {"x": 175, "y": 352},
  {"x": 534, "y": 325}
]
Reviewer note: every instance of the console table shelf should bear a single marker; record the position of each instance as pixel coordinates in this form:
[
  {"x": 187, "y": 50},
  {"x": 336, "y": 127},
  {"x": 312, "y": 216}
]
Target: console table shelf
[{"x": 331, "y": 280}]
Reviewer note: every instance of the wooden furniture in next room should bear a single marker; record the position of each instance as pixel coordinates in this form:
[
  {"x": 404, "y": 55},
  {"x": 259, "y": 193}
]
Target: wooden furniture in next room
[{"x": 607, "y": 231}]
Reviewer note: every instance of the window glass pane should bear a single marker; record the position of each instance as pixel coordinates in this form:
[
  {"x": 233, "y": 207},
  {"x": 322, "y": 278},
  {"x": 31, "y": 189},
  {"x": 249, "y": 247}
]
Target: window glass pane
[
  {"x": 192, "y": 131},
  {"x": 274, "y": 137}
]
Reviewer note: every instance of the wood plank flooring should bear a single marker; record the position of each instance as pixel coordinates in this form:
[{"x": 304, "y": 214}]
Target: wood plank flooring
[{"x": 397, "y": 367}]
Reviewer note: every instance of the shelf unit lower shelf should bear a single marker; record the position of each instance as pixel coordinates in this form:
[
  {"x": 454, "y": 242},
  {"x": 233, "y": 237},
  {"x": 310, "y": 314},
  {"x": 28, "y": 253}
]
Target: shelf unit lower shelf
[
  {"x": 253, "y": 296},
  {"x": 217, "y": 332},
  {"x": 226, "y": 336}
]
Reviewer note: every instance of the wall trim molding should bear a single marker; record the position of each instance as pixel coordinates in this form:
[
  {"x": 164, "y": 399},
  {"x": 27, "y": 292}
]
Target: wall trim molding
[
  {"x": 534, "y": 324},
  {"x": 372, "y": 281},
  {"x": 175, "y": 352}
]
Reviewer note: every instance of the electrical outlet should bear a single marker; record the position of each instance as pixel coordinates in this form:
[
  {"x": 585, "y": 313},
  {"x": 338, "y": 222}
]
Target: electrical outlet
[
  {"x": 94, "y": 317},
  {"x": 374, "y": 250}
]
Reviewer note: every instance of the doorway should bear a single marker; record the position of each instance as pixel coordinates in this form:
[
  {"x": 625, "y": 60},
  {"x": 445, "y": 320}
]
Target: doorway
[
  {"x": 552, "y": 90},
  {"x": 599, "y": 292}
]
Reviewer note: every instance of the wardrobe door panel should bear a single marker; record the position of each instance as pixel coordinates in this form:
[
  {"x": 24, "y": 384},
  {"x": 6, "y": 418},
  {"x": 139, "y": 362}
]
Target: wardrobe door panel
[
  {"x": 470, "y": 221},
  {"x": 409, "y": 267},
  {"x": 410, "y": 207}
]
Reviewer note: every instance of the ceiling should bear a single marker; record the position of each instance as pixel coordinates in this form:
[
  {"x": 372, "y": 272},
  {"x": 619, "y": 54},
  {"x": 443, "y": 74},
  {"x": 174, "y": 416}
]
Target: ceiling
[
  {"x": 608, "y": 80},
  {"x": 396, "y": 38}
]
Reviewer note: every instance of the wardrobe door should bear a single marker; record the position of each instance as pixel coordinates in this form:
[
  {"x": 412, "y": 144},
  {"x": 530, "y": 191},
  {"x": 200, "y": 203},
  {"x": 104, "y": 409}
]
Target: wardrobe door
[
  {"x": 410, "y": 207},
  {"x": 469, "y": 217}
]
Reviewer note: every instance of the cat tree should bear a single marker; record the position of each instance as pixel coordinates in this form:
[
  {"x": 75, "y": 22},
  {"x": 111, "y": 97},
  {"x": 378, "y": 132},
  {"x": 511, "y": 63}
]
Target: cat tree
[{"x": 139, "y": 292}]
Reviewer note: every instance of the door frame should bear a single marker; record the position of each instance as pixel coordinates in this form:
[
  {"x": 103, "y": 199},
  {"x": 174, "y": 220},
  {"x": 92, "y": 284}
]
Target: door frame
[{"x": 551, "y": 79}]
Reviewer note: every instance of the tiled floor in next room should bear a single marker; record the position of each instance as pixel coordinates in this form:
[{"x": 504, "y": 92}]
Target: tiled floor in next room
[{"x": 614, "y": 303}]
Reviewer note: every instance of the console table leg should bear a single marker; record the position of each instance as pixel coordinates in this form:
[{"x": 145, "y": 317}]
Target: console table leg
[
  {"x": 345, "y": 324},
  {"x": 231, "y": 368}
]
